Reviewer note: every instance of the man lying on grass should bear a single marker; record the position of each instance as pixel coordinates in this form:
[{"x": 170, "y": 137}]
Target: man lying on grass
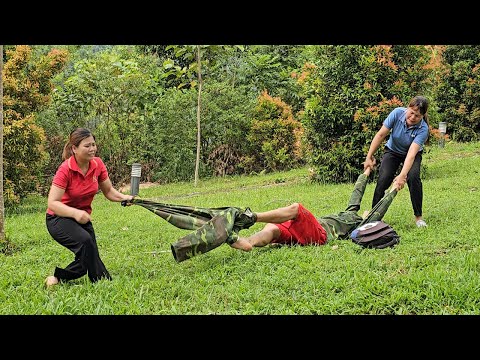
[{"x": 295, "y": 225}]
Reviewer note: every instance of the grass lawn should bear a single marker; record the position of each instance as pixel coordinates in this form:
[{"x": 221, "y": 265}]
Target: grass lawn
[{"x": 435, "y": 270}]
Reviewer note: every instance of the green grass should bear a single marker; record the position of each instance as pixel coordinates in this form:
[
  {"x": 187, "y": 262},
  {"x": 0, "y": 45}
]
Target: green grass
[{"x": 432, "y": 271}]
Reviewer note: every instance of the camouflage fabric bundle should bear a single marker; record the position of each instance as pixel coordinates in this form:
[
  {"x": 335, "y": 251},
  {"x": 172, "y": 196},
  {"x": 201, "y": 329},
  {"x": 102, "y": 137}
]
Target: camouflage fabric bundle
[
  {"x": 213, "y": 226},
  {"x": 340, "y": 225}
]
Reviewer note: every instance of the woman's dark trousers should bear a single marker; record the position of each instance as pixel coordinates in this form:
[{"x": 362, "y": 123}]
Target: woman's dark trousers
[
  {"x": 388, "y": 167},
  {"x": 80, "y": 239}
]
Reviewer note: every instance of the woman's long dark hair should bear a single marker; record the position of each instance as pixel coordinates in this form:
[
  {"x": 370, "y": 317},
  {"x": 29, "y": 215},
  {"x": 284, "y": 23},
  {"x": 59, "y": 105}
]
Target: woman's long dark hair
[{"x": 76, "y": 137}]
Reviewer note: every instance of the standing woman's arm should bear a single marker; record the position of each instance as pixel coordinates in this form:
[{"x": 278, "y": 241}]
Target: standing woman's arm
[
  {"x": 376, "y": 142},
  {"x": 111, "y": 193},
  {"x": 401, "y": 179}
]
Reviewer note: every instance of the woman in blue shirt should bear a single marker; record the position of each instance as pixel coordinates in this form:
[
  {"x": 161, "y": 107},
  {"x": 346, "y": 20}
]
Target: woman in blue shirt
[{"x": 408, "y": 129}]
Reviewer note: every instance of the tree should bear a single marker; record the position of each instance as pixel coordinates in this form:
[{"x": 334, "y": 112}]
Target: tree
[
  {"x": 199, "y": 103},
  {"x": 27, "y": 90},
  {"x": 457, "y": 95},
  {"x": 187, "y": 54},
  {"x": 2, "y": 209}
]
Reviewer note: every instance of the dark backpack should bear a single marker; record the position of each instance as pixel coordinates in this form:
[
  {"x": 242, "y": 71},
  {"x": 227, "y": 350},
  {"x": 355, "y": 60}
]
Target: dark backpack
[{"x": 377, "y": 234}]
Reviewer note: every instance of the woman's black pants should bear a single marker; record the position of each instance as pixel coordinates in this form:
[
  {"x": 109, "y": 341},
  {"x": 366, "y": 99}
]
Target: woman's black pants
[
  {"x": 387, "y": 171},
  {"x": 80, "y": 239}
]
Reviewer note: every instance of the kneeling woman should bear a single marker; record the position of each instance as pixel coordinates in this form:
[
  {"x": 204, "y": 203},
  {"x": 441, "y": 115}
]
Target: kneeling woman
[{"x": 68, "y": 218}]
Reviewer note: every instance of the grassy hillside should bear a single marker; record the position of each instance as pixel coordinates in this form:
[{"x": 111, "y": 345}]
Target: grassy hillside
[{"x": 432, "y": 271}]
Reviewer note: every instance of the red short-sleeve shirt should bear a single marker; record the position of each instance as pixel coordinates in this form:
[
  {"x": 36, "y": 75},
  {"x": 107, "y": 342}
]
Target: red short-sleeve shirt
[{"x": 79, "y": 189}]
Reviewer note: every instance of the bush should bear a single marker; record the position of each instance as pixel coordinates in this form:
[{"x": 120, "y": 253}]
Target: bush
[{"x": 274, "y": 137}]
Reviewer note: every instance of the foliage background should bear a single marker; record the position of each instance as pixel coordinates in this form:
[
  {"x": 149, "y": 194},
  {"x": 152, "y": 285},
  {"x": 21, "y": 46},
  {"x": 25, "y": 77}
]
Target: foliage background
[{"x": 141, "y": 101}]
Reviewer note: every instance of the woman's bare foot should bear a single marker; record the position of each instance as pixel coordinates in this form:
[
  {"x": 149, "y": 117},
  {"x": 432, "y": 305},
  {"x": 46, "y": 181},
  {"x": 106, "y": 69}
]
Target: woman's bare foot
[
  {"x": 50, "y": 281},
  {"x": 242, "y": 244}
]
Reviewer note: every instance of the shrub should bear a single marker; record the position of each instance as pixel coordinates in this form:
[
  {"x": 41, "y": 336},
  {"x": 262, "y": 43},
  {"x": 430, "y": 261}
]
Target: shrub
[{"x": 274, "y": 137}]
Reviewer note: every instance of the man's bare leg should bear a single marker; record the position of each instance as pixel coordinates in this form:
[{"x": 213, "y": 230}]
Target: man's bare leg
[
  {"x": 270, "y": 231},
  {"x": 279, "y": 215},
  {"x": 259, "y": 239},
  {"x": 265, "y": 236}
]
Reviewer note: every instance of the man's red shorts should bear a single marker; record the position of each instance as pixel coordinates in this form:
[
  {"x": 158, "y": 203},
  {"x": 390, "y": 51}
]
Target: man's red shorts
[{"x": 303, "y": 230}]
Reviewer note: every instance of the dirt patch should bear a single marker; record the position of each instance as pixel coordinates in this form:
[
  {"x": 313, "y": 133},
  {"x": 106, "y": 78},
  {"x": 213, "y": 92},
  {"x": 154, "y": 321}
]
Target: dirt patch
[{"x": 126, "y": 188}]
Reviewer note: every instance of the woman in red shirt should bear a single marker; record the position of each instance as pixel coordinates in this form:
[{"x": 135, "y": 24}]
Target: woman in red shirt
[{"x": 68, "y": 217}]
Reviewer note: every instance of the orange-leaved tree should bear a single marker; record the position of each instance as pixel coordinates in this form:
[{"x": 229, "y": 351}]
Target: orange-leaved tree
[{"x": 27, "y": 89}]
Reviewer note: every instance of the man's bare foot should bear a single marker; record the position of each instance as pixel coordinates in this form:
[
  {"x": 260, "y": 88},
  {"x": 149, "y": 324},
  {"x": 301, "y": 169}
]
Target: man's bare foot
[
  {"x": 242, "y": 244},
  {"x": 50, "y": 281}
]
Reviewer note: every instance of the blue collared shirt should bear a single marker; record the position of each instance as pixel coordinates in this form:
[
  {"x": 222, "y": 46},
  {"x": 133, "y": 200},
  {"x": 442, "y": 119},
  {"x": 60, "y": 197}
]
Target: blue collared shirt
[{"x": 401, "y": 136}]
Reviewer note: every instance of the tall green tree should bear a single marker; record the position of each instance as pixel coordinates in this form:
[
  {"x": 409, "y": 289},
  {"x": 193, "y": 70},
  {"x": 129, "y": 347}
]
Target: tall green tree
[
  {"x": 457, "y": 95},
  {"x": 199, "y": 107},
  {"x": 191, "y": 75}
]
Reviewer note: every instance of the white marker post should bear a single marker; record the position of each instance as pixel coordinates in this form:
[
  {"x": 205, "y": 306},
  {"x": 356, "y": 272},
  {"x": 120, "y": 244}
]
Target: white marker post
[
  {"x": 135, "y": 178},
  {"x": 442, "y": 127}
]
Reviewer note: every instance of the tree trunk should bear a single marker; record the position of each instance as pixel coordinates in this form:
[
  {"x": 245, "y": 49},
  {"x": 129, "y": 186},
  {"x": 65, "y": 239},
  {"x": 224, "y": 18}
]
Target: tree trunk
[
  {"x": 199, "y": 73},
  {"x": 2, "y": 208}
]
